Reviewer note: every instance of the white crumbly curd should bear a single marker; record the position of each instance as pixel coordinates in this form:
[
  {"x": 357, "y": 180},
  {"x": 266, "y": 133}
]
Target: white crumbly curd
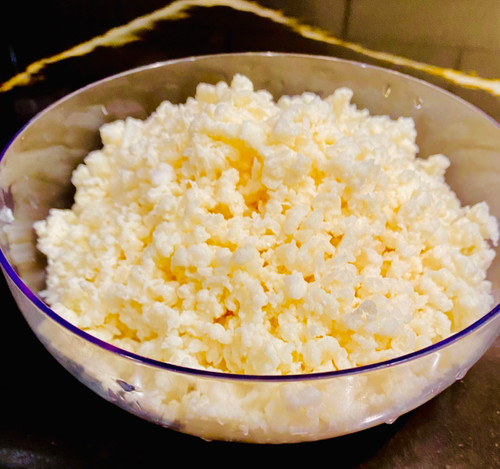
[{"x": 246, "y": 235}]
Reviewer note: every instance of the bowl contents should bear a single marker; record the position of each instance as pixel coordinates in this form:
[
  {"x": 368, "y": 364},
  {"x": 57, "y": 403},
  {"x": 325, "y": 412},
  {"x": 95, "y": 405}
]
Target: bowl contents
[{"x": 248, "y": 235}]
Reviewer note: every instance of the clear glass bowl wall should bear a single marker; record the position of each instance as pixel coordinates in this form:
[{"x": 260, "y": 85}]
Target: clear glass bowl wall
[{"x": 34, "y": 176}]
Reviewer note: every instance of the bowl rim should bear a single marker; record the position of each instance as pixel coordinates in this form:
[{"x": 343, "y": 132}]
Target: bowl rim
[{"x": 11, "y": 274}]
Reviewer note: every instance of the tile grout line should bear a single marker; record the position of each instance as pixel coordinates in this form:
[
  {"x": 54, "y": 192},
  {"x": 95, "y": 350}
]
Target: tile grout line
[{"x": 347, "y": 17}]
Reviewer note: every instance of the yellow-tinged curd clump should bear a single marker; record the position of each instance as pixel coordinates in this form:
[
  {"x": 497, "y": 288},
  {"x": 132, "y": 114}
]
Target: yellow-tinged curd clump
[{"x": 238, "y": 233}]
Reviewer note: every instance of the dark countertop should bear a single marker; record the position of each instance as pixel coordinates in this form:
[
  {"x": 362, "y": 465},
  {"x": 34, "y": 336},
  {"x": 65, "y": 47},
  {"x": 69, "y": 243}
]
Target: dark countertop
[{"x": 50, "y": 420}]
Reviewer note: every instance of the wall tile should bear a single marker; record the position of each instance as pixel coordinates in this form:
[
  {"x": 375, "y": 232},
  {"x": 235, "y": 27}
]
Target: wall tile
[
  {"x": 325, "y": 14},
  {"x": 472, "y": 23}
]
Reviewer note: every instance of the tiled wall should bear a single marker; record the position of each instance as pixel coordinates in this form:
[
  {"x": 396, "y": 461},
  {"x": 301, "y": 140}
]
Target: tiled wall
[
  {"x": 456, "y": 23},
  {"x": 459, "y": 34},
  {"x": 457, "y": 27}
]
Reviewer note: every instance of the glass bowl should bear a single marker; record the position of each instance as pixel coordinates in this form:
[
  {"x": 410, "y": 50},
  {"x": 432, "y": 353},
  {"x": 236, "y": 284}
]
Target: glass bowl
[{"x": 34, "y": 175}]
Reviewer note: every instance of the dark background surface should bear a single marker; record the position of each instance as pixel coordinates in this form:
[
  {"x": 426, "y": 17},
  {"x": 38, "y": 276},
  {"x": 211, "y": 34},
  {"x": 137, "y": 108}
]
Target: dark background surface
[{"x": 48, "y": 419}]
